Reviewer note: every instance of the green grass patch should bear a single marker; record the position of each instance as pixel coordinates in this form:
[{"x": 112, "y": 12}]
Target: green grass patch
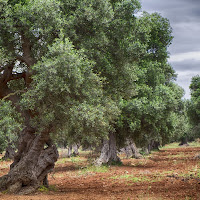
[
  {"x": 94, "y": 169},
  {"x": 77, "y": 159},
  {"x": 176, "y": 145},
  {"x": 62, "y": 160},
  {"x": 42, "y": 188},
  {"x": 135, "y": 179},
  {"x": 74, "y": 160},
  {"x": 170, "y": 146},
  {"x": 177, "y": 155},
  {"x": 194, "y": 144},
  {"x": 5, "y": 192}
]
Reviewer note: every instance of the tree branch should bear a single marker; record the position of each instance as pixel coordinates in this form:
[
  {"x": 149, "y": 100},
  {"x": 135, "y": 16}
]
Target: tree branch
[
  {"x": 27, "y": 53},
  {"x": 1, "y": 68},
  {"x": 7, "y": 74},
  {"x": 18, "y": 76},
  {"x": 23, "y": 59},
  {"x": 12, "y": 94}
]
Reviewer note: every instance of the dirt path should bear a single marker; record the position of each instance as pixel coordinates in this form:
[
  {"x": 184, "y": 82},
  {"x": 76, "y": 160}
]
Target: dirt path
[{"x": 167, "y": 174}]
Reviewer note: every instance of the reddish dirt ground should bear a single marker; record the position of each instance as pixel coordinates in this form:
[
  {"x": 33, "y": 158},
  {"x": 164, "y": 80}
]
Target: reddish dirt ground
[{"x": 167, "y": 174}]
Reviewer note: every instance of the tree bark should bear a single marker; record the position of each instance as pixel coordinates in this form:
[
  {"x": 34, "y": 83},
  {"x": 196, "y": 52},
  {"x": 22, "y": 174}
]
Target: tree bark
[
  {"x": 10, "y": 152},
  {"x": 184, "y": 141},
  {"x": 108, "y": 152},
  {"x": 75, "y": 147},
  {"x": 131, "y": 150},
  {"x": 69, "y": 151},
  {"x": 36, "y": 154},
  {"x": 153, "y": 145},
  {"x": 31, "y": 163}
]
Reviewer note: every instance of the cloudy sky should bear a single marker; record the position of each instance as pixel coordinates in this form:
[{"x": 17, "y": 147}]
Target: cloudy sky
[{"x": 184, "y": 16}]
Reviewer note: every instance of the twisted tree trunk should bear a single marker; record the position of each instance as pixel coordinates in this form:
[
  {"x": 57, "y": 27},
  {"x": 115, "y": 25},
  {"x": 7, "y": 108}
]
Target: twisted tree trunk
[
  {"x": 31, "y": 163},
  {"x": 184, "y": 141},
  {"x": 76, "y": 146},
  {"x": 69, "y": 151},
  {"x": 36, "y": 154},
  {"x": 108, "y": 151},
  {"x": 131, "y": 150},
  {"x": 153, "y": 145}
]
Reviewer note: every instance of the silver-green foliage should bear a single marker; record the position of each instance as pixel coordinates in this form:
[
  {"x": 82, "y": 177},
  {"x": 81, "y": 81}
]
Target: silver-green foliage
[{"x": 10, "y": 123}]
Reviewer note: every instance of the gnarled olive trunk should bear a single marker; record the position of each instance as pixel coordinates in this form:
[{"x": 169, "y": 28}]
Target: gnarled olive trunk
[
  {"x": 35, "y": 158},
  {"x": 184, "y": 141},
  {"x": 153, "y": 145},
  {"x": 108, "y": 151},
  {"x": 69, "y": 151},
  {"x": 74, "y": 147},
  {"x": 131, "y": 150}
]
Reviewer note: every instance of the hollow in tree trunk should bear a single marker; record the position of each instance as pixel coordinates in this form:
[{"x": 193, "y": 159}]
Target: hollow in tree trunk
[
  {"x": 34, "y": 160},
  {"x": 108, "y": 151}
]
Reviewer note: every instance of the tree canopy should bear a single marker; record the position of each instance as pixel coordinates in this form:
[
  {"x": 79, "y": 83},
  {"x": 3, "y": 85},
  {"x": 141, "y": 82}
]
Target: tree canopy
[
  {"x": 193, "y": 106},
  {"x": 82, "y": 69}
]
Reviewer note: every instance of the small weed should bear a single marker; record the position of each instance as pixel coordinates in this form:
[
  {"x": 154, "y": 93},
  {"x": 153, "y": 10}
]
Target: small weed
[
  {"x": 188, "y": 198},
  {"x": 4, "y": 192},
  {"x": 143, "y": 153},
  {"x": 52, "y": 188},
  {"x": 42, "y": 188}
]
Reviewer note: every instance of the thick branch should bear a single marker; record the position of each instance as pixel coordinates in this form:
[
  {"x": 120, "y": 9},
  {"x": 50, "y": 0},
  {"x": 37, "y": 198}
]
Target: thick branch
[
  {"x": 18, "y": 76},
  {"x": 12, "y": 94},
  {"x": 27, "y": 57},
  {"x": 27, "y": 53},
  {"x": 2, "y": 68},
  {"x": 7, "y": 73},
  {"x": 23, "y": 59}
]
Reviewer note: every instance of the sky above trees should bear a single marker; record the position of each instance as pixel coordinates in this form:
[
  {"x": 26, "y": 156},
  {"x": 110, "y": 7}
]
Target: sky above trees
[{"x": 185, "y": 49}]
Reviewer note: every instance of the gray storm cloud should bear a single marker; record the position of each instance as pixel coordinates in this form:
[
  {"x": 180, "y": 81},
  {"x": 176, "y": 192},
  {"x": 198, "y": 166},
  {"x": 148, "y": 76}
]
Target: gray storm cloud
[{"x": 184, "y": 16}]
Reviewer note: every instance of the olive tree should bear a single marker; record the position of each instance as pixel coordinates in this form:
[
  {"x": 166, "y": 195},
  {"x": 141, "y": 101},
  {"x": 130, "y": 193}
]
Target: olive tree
[{"x": 50, "y": 83}]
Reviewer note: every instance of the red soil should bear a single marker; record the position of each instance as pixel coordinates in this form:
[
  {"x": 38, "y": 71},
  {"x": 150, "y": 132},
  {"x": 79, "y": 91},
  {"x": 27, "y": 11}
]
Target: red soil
[{"x": 167, "y": 174}]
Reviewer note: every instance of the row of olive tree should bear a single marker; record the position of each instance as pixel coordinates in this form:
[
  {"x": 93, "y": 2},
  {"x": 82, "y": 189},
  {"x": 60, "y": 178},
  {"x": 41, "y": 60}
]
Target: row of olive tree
[
  {"x": 193, "y": 108},
  {"x": 90, "y": 70}
]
